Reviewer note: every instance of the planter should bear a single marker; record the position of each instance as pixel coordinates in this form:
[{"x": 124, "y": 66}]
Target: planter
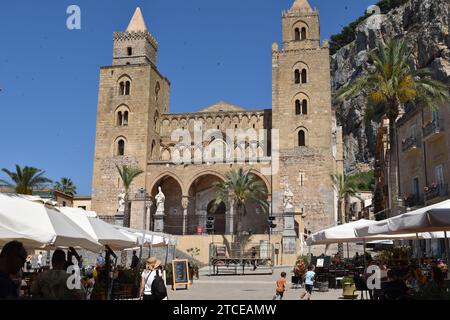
[{"x": 348, "y": 290}]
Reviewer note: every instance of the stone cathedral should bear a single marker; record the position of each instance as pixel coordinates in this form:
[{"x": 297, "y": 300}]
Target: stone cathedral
[{"x": 300, "y": 150}]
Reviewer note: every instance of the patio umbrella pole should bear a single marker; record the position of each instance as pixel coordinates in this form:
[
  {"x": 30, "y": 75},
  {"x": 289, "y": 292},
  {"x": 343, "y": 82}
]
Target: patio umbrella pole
[
  {"x": 448, "y": 251},
  {"x": 419, "y": 249},
  {"x": 365, "y": 261},
  {"x": 348, "y": 252}
]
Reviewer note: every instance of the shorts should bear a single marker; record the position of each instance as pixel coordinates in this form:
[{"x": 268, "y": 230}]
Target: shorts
[
  {"x": 309, "y": 288},
  {"x": 279, "y": 294}
]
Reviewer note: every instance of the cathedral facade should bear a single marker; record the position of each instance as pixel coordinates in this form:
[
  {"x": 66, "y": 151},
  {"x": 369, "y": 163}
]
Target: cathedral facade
[{"x": 295, "y": 145}]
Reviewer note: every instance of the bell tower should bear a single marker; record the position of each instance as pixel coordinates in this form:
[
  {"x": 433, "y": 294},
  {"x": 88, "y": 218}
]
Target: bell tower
[
  {"x": 302, "y": 112},
  {"x": 132, "y": 97}
]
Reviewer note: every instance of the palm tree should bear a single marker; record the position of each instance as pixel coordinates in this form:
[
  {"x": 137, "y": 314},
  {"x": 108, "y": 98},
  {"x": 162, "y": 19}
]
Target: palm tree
[
  {"x": 389, "y": 85},
  {"x": 127, "y": 174},
  {"x": 343, "y": 189},
  {"x": 25, "y": 179},
  {"x": 239, "y": 188},
  {"x": 66, "y": 186}
]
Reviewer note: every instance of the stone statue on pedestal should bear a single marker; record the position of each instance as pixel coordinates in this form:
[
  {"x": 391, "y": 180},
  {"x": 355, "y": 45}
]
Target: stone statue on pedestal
[
  {"x": 160, "y": 199},
  {"x": 121, "y": 198},
  {"x": 288, "y": 200}
]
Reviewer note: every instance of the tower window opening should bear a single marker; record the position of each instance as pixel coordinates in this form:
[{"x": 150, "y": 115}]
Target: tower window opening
[
  {"x": 125, "y": 118},
  {"x": 122, "y": 88},
  {"x": 297, "y": 76},
  {"x": 305, "y": 106},
  {"x": 297, "y": 34},
  {"x": 303, "y": 35},
  {"x": 304, "y": 76},
  {"x": 119, "y": 118},
  {"x": 301, "y": 138},
  {"x": 130, "y": 51},
  {"x": 298, "y": 110},
  {"x": 127, "y": 88},
  {"x": 121, "y": 148}
]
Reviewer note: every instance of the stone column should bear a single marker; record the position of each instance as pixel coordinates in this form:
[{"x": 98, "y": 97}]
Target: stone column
[
  {"x": 158, "y": 221},
  {"x": 185, "y": 205},
  {"x": 229, "y": 222},
  {"x": 202, "y": 214}
]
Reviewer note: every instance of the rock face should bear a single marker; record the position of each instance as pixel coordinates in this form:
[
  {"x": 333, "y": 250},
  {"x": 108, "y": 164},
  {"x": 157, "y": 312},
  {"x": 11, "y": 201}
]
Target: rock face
[{"x": 425, "y": 26}]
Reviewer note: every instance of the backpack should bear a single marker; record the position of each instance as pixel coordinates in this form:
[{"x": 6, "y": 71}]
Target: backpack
[{"x": 159, "y": 290}]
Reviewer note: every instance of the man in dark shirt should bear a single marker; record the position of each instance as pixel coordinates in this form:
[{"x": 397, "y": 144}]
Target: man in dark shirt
[
  {"x": 12, "y": 258},
  {"x": 395, "y": 288},
  {"x": 134, "y": 261}
]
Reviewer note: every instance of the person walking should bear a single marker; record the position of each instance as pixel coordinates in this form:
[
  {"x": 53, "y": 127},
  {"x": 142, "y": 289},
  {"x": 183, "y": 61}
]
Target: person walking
[
  {"x": 134, "y": 261},
  {"x": 309, "y": 283},
  {"x": 151, "y": 274},
  {"x": 39, "y": 261},
  {"x": 281, "y": 287}
]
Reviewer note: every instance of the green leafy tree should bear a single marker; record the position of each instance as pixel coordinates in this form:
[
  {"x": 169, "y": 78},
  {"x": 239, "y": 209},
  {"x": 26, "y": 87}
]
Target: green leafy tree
[
  {"x": 127, "y": 175},
  {"x": 25, "y": 179},
  {"x": 239, "y": 188},
  {"x": 389, "y": 85},
  {"x": 66, "y": 186}
]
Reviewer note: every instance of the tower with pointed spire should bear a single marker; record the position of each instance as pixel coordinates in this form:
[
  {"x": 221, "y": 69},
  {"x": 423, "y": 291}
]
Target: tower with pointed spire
[
  {"x": 136, "y": 45},
  {"x": 132, "y": 97}
]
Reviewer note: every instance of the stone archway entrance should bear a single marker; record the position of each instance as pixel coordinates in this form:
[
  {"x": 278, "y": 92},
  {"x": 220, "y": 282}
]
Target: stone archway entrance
[
  {"x": 173, "y": 219},
  {"x": 219, "y": 216}
]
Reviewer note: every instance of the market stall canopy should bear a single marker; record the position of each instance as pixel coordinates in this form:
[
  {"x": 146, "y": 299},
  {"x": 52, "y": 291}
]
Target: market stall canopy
[
  {"x": 428, "y": 219},
  {"x": 103, "y": 232},
  {"x": 39, "y": 224},
  {"x": 346, "y": 233},
  {"x": 150, "y": 238}
]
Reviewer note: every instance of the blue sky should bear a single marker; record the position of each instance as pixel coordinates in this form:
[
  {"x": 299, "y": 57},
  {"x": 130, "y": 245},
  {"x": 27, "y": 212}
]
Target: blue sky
[{"x": 210, "y": 50}]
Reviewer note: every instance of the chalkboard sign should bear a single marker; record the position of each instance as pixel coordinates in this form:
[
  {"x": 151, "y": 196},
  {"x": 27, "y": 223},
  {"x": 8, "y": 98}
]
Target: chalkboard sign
[{"x": 180, "y": 269}]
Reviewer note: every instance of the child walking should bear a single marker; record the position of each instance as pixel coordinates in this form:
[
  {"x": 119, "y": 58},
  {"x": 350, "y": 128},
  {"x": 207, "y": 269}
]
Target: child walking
[
  {"x": 309, "y": 283},
  {"x": 281, "y": 287}
]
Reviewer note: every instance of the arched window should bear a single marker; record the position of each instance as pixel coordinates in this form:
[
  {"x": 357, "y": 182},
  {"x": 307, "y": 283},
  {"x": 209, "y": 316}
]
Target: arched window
[
  {"x": 130, "y": 51},
  {"x": 121, "y": 148},
  {"x": 298, "y": 107},
  {"x": 297, "y": 34},
  {"x": 119, "y": 118},
  {"x": 297, "y": 76},
  {"x": 127, "y": 88},
  {"x": 301, "y": 138},
  {"x": 121, "y": 88},
  {"x": 304, "y": 106},
  {"x": 304, "y": 76},
  {"x": 125, "y": 119},
  {"x": 303, "y": 35}
]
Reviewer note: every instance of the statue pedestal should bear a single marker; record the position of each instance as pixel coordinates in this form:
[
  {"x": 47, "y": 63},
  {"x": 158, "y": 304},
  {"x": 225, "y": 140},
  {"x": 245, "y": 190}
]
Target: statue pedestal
[
  {"x": 159, "y": 222},
  {"x": 289, "y": 234}
]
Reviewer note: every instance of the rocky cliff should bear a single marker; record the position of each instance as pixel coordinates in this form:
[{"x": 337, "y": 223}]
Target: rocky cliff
[{"x": 425, "y": 25}]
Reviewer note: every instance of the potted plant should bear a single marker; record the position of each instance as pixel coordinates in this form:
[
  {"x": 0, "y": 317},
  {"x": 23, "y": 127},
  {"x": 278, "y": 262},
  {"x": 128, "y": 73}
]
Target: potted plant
[
  {"x": 348, "y": 288},
  {"x": 194, "y": 267}
]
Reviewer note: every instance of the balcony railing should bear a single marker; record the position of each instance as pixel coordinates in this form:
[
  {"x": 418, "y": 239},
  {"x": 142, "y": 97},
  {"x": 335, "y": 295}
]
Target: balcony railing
[
  {"x": 410, "y": 144},
  {"x": 432, "y": 128},
  {"x": 437, "y": 192}
]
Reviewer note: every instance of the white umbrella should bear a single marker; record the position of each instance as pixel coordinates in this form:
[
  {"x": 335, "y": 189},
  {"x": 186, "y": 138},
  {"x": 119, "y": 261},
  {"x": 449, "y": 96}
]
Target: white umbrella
[
  {"x": 101, "y": 231},
  {"x": 7, "y": 235},
  {"x": 41, "y": 225},
  {"x": 346, "y": 233},
  {"x": 427, "y": 219}
]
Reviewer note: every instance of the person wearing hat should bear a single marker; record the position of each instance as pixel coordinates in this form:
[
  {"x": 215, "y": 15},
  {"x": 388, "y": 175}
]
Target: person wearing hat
[{"x": 152, "y": 266}]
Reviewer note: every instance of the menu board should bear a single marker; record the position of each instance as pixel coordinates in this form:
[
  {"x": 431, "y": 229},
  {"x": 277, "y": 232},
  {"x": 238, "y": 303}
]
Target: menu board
[{"x": 180, "y": 273}]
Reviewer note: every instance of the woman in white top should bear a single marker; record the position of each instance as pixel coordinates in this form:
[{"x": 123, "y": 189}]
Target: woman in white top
[{"x": 148, "y": 275}]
